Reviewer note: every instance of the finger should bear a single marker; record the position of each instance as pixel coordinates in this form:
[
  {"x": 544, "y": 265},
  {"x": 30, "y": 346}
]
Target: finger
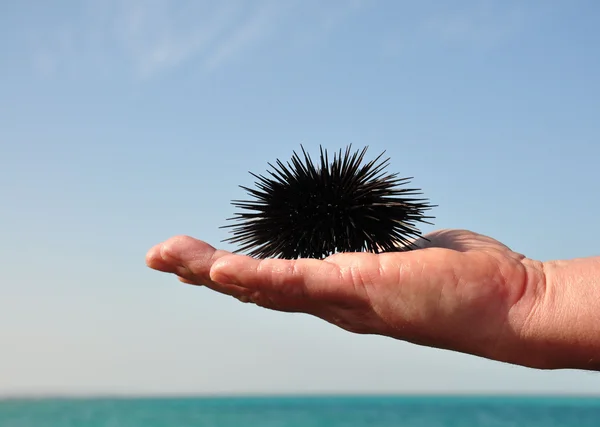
[
  {"x": 191, "y": 260},
  {"x": 155, "y": 261},
  {"x": 186, "y": 257},
  {"x": 263, "y": 300},
  {"x": 293, "y": 279},
  {"x": 231, "y": 290}
]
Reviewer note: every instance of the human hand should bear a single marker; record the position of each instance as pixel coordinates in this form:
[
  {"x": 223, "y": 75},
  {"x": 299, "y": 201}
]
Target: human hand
[{"x": 462, "y": 291}]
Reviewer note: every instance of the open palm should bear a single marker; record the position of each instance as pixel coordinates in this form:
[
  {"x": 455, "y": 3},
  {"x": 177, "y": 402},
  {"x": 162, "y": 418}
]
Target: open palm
[{"x": 461, "y": 291}]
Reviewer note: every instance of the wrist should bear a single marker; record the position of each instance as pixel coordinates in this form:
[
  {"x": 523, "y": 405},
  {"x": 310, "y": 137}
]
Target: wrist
[{"x": 562, "y": 330}]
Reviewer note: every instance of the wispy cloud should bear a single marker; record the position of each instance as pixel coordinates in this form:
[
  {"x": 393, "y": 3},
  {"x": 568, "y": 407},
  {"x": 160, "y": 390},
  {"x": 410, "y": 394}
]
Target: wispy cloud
[
  {"x": 470, "y": 24},
  {"x": 482, "y": 23},
  {"x": 160, "y": 35},
  {"x": 255, "y": 27},
  {"x": 50, "y": 51},
  {"x": 150, "y": 37}
]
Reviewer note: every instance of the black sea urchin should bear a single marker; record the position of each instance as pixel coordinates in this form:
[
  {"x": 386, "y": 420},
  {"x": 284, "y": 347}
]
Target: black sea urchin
[{"x": 305, "y": 210}]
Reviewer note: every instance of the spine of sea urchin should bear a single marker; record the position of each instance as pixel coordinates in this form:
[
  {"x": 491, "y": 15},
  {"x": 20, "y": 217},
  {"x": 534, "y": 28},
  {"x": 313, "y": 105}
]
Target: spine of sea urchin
[{"x": 305, "y": 210}]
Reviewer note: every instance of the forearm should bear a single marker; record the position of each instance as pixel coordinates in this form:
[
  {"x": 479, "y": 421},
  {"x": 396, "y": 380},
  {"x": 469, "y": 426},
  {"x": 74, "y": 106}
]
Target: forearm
[{"x": 564, "y": 325}]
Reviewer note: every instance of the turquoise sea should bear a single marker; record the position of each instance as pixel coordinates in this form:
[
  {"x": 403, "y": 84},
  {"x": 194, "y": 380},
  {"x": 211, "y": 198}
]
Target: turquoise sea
[{"x": 303, "y": 412}]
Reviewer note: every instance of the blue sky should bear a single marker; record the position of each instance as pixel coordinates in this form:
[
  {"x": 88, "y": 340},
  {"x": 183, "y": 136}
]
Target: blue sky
[{"x": 123, "y": 123}]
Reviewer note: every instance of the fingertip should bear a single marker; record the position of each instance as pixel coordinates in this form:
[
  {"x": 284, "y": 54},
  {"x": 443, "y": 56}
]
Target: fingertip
[
  {"x": 173, "y": 247},
  {"x": 151, "y": 255},
  {"x": 224, "y": 270},
  {"x": 154, "y": 259},
  {"x": 175, "y": 252},
  {"x": 222, "y": 279}
]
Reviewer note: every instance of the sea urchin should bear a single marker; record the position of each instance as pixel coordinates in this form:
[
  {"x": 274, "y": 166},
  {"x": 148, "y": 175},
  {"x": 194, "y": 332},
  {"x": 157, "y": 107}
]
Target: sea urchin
[{"x": 303, "y": 210}]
